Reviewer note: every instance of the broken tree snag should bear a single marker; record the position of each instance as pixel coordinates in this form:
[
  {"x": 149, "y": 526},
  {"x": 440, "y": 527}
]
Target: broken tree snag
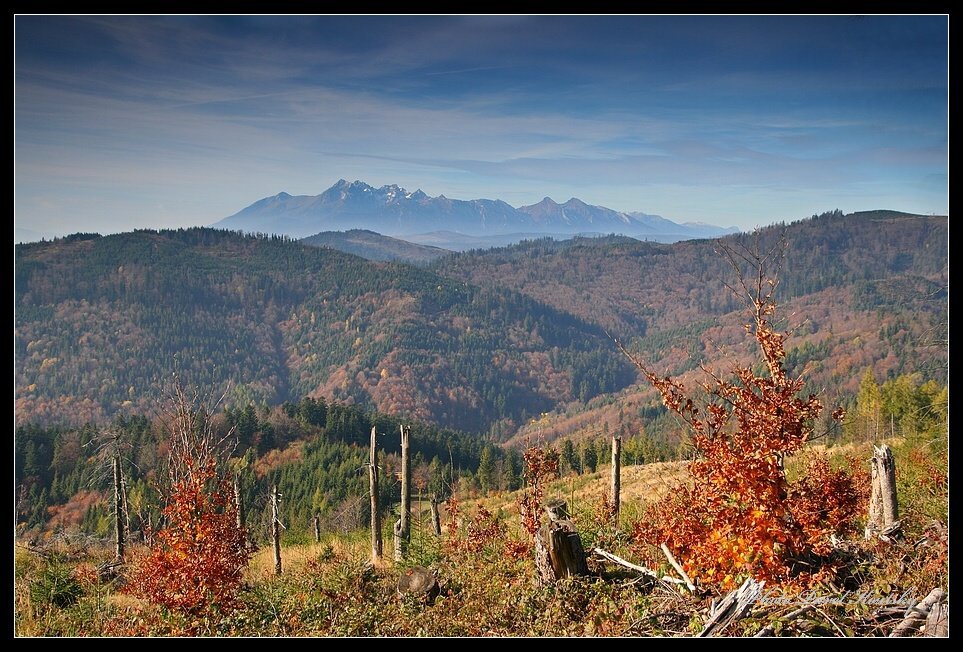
[
  {"x": 733, "y": 607},
  {"x": 405, "y": 521},
  {"x": 276, "y": 528},
  {"x": 558, "y": 548},
  {"x": 316, "y": 521},
  {"x": 616, "y": 478},
  {"x": 419, "y": 582},
  {"x": 883, "y": 506},
  {"x": 238, "y": 502},
  {"x": 918, "y": 614},
  {"x": 373, "y": 488},
  {"x": 123, "y": 504},
  {"x": 435, "y": 516},
  {"x": 119, "y": 531}
]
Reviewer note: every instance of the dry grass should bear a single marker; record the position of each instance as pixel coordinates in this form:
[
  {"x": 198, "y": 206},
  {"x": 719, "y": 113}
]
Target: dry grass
[
  {"x": 294, "y": 557},
  {"x": 641, "y": 484}
]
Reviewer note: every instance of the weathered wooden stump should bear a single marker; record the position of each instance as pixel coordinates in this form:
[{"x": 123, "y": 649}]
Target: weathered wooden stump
[
  {"x": 883, "y": 505},
  {"x": 558, "y": 548},
  {"x": 419, "y": 582}
]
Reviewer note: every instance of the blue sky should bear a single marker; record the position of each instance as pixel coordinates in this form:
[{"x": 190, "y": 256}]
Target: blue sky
[{"x": 133, "y": 122}]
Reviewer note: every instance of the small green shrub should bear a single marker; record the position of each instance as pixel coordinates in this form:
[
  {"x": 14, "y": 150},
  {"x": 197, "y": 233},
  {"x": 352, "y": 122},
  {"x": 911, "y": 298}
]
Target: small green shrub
[{"x": 56, "y": 586}]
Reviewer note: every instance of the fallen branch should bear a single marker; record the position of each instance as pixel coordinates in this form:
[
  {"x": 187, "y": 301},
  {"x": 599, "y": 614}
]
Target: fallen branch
[
  {"x": 733, "y": 607},
  {"x": 615, "y": 559},
  {"x": 678, "y": 568},
  {"x": 917, "y": 615},
  {"x": 831, "y": 622},
  {"x": 769, "y": 629}
]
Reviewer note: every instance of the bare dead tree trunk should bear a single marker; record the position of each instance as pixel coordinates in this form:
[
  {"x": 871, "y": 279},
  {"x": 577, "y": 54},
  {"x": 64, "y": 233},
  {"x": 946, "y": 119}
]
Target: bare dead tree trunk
[
  {"x": 405, "y": 520},
  {"x": 123, "y": 504},
  {"x": 119, "y": 539},
  {"x": 276, "y": 528},
  {"x": 616, "y": 479},
  {"x": 435, "y": 516},
  {"x": 238, "y": 502},
  {"x": 375, "y": 514},
  {"x": 148, "y": 529},
  {"x": 883, "y": 505},
  {"x": 558, "y": 548},
  {"x": 317, "y": 528},
  {"x": 399, "y": 541}
]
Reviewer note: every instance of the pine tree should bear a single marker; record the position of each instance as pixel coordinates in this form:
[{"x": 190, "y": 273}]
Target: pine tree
[
  {"x": 569, "y": 458},
  {"x": 486, "y": 471},
  {"x": 587, "y": 456}
]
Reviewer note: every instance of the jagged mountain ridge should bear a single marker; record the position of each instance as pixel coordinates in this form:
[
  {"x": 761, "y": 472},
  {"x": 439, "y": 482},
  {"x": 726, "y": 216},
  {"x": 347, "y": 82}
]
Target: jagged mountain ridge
[{"x": 393, "y": 211}]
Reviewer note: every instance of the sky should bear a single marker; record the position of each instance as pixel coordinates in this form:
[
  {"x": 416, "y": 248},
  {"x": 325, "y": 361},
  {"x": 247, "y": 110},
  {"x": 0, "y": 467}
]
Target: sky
[{"x": 156, "y": 122}]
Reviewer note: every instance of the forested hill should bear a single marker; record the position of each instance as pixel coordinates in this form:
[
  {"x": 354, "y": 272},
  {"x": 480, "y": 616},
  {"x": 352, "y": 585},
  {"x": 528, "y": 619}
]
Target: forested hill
[
  {"x": 632, "y": 287},
  {"x": 103, "y": 322},
  {"x": 374, "y": 246},
  {"x": 860, "y": 292},
  {"x": 480, "y": 341}
]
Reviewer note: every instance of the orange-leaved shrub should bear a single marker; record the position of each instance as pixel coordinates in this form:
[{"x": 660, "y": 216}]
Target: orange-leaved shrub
[
  {"x": 196, "y": 563},
  {"x": 739, "y": 516},
  {"x": 198, "y": 558}
]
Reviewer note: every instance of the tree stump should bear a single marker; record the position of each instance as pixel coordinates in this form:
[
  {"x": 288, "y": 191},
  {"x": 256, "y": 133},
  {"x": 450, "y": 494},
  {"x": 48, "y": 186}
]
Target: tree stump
[
  {"x": 558, "y": 548},
  {"x": 419, "y": 582},
  {"x": 883, "y": 506}
]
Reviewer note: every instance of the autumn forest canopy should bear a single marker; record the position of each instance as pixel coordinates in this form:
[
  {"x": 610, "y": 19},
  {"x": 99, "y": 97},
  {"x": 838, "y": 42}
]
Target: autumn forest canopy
[{"x": 481, "y": 342}]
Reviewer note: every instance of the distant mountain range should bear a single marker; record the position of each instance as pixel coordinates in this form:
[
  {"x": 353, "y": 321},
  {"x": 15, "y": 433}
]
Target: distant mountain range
[{"x": 444, "y": 222}]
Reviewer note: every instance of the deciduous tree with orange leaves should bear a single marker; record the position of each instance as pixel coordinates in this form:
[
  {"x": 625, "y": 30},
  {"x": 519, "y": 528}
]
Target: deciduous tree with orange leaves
[
  {"x": 739, "y": 516},
  {"x": 198, "y": 557}
]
